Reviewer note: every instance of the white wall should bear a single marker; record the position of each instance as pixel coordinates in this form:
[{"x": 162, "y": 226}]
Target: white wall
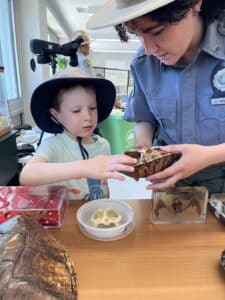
[
  {"x": 111, "y": 60},
  {"x": 31, "y": 22}
]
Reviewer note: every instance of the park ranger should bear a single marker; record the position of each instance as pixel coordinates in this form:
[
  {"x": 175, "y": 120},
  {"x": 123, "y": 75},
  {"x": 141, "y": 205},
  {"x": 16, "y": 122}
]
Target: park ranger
[
  {"x": 84, "y": 62},
  {"x": 179, "y": 83}
]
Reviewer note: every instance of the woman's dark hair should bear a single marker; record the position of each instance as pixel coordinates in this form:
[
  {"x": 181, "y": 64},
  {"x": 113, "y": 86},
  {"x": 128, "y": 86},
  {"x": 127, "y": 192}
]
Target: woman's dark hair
[{"x": 177, "y": 10}]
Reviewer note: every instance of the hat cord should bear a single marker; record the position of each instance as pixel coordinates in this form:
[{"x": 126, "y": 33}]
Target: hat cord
[{"x": 83, "y": 151}]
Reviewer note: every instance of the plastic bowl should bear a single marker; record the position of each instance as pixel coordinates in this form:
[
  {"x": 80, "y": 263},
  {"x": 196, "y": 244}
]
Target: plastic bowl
[{"x": 85, "y": 212}]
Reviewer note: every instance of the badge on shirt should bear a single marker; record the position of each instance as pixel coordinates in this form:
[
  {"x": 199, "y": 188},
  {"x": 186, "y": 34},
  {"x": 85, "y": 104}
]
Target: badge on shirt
[
  {"x": 87, "y": 63},
  {"x": 218, "y": 82}
]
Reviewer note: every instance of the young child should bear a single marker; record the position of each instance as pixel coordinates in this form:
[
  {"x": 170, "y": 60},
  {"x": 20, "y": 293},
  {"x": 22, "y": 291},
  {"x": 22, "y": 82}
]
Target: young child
[{"x": 70, "y": 105}]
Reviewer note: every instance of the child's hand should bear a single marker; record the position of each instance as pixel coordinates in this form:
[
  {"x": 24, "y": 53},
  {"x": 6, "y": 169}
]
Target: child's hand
[{"x": 107, "y": 166}]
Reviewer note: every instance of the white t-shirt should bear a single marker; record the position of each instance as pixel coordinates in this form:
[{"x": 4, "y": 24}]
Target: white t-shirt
[{"x": 62, "y": 148}]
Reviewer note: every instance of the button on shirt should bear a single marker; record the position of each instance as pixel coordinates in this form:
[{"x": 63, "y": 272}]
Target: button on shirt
[{"x": 176, "y": 100}]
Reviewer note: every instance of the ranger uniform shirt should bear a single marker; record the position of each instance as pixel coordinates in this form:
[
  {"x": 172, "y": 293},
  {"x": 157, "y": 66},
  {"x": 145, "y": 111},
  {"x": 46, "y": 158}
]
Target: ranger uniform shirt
[
  {"x": 84, "y": 63},
  {"x": 184, "y": 103}
]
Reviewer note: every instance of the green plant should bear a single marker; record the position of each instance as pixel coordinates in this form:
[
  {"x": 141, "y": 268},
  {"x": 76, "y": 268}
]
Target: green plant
[{"x": 62, "y": 63}]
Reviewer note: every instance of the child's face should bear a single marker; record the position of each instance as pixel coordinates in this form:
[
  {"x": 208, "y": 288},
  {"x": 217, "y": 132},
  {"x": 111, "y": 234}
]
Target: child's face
[{"x": 78, "y": 111}]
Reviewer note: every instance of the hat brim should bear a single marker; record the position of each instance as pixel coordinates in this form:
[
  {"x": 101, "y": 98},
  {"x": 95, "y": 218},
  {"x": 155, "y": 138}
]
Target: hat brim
[
  {"x": 44, "y": 94},
  {"x": 87, "y": 42},
  {"x": 109, "y": 14}
]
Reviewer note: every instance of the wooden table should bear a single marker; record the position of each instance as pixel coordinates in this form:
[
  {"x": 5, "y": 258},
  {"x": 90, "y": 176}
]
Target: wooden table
[{"x": 155, "y": 262}]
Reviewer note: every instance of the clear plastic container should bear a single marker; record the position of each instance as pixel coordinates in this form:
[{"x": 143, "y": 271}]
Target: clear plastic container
[
  {"x": 46, "y": 203},
  {"x": 179, "y": 205},
  {"x": 217, "y": 206}
]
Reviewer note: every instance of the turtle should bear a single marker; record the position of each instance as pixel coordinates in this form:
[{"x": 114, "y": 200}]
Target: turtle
[
  {"x": 150, "y": 161},
  {"x": 33, "y": 264}
]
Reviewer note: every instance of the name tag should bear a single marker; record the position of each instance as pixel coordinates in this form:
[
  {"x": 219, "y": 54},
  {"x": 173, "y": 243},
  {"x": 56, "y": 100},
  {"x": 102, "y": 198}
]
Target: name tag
[{"x": 218, "y": 101}]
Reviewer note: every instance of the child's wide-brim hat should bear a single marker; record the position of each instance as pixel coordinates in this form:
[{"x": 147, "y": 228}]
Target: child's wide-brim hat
[
  {"x": 42, "y": 97},
  {"x": 114, "y": 12}
]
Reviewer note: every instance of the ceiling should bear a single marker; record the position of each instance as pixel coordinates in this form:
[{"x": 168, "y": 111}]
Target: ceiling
[{"x": 65, "y": 17}]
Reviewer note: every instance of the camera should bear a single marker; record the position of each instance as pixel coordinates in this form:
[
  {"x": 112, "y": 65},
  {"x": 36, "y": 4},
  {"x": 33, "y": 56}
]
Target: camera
[{"x": 47, "y": 51}]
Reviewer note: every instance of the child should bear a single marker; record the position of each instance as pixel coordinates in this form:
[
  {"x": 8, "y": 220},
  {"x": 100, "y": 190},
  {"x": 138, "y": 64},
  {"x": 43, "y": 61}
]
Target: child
[{"x": 70, "y": 105}]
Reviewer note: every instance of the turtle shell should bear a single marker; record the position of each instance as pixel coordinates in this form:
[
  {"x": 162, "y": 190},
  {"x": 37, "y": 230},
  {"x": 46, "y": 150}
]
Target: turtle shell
[
  {"x": 33, "y": 264},
  {"x": 150, "y": 161}
]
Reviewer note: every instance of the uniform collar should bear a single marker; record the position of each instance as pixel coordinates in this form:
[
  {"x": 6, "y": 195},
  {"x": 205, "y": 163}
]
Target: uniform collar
[
  {"x": 213, "y": 44},
  {"x": 178, "y": 65},
  {"x": 214, "y": 41}
]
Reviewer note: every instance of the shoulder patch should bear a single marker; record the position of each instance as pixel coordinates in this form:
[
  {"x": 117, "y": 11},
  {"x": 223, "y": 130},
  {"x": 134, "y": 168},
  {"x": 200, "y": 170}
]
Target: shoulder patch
[
  {"x": 87, "y": 63},
  {"x": 219, "y": 80},
  {"x": 218, "y": 84}
]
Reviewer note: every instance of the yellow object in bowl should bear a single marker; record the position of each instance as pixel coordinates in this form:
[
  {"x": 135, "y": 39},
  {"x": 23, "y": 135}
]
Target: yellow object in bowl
[{"x": 106, "y": 217}]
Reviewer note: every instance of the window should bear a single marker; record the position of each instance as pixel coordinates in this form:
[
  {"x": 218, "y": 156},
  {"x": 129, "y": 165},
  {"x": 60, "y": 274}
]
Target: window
[
  {"x": 119, "y": 78},
  {"x": 8, "y": 58}
]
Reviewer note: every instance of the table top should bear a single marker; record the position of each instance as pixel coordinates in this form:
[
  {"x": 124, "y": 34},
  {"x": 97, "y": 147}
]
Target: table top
[{"x": 169, "y": 262}]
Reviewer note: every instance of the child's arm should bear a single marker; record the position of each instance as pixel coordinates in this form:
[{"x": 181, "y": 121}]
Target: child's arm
[{"x": 39, "y": 171}]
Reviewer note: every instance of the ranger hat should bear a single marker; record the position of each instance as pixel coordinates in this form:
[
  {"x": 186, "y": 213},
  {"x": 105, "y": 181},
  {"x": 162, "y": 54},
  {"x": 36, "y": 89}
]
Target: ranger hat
[
  {"x": 114, "y": 12},
  {"x": 83, "y": 35}
]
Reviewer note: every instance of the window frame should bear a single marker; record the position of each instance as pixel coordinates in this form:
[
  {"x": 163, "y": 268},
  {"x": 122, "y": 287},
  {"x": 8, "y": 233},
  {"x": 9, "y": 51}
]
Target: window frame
[{"x": 11, "y": 79}]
